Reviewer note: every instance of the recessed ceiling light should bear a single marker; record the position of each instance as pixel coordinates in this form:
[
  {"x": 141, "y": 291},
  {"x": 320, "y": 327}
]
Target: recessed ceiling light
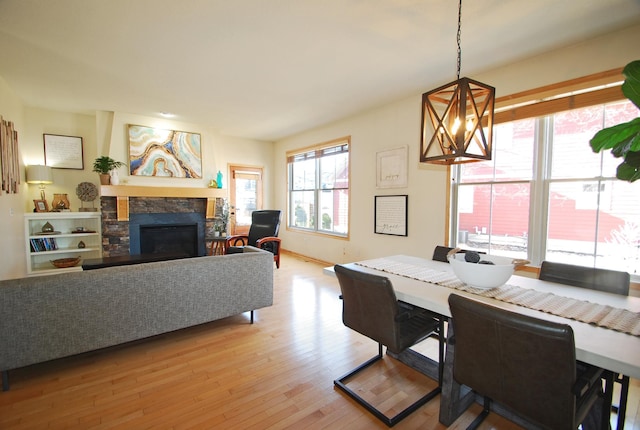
[{"x": 167, "y": 114}]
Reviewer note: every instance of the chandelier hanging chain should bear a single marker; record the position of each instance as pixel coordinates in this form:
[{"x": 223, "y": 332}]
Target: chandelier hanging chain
[
  {"x": 458, "y": 37},
  {"x": 457, "y": 118}
]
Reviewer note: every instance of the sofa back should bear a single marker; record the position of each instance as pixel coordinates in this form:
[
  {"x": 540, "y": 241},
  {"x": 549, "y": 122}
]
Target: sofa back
[{"x": 42, "y": 318}]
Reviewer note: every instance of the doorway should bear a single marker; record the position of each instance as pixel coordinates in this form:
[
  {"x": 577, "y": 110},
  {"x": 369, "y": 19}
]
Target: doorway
[{"x": 245, "y": 196}]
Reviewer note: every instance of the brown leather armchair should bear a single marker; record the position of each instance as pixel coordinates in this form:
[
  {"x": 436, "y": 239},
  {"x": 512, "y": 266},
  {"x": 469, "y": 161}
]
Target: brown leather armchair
[
  {"x": 263, "y": 234},
  {"x": 371, "y": 308},
  {"x": 610, "y": 281},
  {"x": 524, "y": 363}
]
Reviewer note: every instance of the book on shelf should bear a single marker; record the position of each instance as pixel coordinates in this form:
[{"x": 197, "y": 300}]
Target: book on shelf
[{"x": 43, "y": 244}]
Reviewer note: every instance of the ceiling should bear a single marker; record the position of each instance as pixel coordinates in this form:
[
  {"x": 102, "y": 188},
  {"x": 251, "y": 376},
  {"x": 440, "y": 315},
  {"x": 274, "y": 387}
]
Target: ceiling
[{"x": 267, "y": 69}]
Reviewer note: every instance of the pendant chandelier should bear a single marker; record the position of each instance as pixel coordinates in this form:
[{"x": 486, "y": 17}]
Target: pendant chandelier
[{"x": 457, "y": 119}]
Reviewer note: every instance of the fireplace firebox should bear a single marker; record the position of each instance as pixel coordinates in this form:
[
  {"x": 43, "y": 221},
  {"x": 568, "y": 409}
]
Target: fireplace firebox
[
  {"x": 167, "y": 233},
  {"x": 169, "y": 239}
]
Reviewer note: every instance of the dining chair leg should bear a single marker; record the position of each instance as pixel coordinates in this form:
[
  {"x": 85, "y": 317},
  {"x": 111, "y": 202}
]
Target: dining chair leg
[
  {"x": 608, "y": 398},
  {"x": 621, "y": 409},
  {"x": 389, "y": 421},
  {"x": 485, "y": 411}
]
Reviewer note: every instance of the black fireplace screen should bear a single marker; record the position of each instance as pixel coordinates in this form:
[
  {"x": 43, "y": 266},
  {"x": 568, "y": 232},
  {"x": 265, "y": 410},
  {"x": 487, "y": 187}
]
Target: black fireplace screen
[{"x": 169, "y": 239}]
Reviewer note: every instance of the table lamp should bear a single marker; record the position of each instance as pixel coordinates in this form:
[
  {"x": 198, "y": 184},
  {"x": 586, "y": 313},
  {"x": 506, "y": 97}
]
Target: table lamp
[{"x": 41, "y": 175}]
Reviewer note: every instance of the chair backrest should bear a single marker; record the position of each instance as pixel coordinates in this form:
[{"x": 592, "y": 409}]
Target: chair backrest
[
  {"x": 440, "y": 253},
  {"x": 264, "y": 223},
  {"x": 369, "y": 306},
  {"x": 525, "y": 363},
  {"x": 611, "y": 281}
]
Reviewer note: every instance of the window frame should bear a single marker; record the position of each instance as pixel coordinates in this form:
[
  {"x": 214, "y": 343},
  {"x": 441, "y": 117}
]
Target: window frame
[
  {"x": 542, "y": 103},
  {"x": 318, "y": 187}
]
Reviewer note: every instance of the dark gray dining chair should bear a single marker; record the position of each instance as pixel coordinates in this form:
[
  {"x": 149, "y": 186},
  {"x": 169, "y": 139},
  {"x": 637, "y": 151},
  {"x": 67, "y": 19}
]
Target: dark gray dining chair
[
  {"x": 610, "y": 281},
  {"x": 524, "y": 363},
  {"x": 370, "y": 307},
  {"x": 440, "y": 253}
]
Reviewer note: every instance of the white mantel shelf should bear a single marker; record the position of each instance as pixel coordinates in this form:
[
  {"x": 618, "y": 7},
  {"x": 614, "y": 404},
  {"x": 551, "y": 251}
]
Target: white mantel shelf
[{"x": 123, "y": 192}]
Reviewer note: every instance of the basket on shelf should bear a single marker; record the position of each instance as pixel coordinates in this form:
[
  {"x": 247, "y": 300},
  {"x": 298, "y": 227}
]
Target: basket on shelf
[{"x": 62, "y": 263}]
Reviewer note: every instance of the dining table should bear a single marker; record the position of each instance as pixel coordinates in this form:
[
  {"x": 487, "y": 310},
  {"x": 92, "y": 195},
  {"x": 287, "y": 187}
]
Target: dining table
[{"x": 417, "y": 281}]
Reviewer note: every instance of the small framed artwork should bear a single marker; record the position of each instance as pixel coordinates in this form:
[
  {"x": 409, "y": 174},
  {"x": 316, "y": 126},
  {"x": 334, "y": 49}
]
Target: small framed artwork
[
  {"x": 63, "y": 152},
  {"x": 391, "y": 168},
  {"x": 40, "y": 206},
  {"x": 391, "y": 215}
]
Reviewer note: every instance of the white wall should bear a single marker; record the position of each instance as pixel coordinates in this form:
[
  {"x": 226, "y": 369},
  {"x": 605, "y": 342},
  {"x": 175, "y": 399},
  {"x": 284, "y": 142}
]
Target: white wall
[
  {"x": 13, "y": 262},
  {"x": 398, "y": 124}
]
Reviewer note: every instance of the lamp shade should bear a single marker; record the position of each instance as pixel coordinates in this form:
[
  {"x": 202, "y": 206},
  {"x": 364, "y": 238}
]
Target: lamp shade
[{"x": 38, "y": 174}]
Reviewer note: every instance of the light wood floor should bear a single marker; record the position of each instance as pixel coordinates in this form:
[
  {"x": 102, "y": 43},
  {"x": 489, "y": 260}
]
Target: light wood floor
[{"x": 275, "y": 374}]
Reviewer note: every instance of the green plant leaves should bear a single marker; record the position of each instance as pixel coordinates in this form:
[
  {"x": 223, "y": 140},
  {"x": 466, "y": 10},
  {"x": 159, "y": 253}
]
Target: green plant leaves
[
  {"x": 625, "y": 134},
  {"x": 629, "y": 170},
  {"x": 631, "y": 85},
  {"x": 624, "y": 139}
]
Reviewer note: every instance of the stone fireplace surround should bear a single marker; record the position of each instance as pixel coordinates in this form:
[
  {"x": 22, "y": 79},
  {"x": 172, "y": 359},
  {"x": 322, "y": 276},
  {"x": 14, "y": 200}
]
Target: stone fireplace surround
[{"x": 116, "y": 239}]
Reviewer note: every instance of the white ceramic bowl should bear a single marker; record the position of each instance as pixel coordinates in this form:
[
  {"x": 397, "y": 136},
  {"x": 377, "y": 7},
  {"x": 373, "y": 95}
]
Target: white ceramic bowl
[{"x": 484, "y": 276}]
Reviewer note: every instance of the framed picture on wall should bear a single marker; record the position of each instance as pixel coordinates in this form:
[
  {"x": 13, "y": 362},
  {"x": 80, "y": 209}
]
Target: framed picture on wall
[
  {"x": 63, "y": 152},
  {"x": 391, "y": 215},
  {"x": 391, "y": 168}
]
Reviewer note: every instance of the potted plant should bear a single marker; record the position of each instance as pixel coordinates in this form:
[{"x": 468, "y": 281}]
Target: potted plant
[
  {"x": 624, "y": 139},
  {"x": 104, "y": 165}
]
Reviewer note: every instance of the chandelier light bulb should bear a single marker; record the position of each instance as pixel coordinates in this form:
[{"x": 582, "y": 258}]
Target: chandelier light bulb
[{"x": 455, "y": 126}]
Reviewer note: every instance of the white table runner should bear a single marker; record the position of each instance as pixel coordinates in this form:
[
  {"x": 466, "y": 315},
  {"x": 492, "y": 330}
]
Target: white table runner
[{"x": 621, "y": 320}]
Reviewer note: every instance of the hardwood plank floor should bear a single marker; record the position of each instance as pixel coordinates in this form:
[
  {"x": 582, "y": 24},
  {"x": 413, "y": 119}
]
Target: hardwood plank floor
[{"x": 275, "y": 374}]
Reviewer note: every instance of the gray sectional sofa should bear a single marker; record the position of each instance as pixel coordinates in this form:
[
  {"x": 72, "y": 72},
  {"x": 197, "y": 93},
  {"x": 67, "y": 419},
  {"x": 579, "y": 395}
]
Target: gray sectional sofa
[{"x": 43, "y": 318}]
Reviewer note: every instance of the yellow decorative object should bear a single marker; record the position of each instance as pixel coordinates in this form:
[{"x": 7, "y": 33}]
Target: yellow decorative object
[{"x": 60, "y": 202}]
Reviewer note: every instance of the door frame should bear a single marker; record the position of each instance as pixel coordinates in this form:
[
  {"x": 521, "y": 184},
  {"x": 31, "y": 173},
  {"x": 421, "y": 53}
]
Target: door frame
[{"x": 239, "y": 169}]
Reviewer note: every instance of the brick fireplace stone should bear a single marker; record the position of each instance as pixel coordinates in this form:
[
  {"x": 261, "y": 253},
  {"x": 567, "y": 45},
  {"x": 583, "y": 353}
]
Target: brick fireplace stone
[{"x": 115, "y": 234}]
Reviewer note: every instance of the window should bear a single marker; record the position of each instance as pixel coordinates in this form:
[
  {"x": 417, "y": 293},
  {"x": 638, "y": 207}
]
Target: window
[
  {"x": 545, "y": 195},
  {"x": 319, "y": 188}
]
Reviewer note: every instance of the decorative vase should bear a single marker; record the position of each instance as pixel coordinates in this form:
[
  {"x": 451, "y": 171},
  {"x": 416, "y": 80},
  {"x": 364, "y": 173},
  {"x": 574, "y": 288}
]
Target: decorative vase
[
  {"x": 60, "y": 202},
  {"x": 105, "y": 179},
  {"x": 115, "y": 178},
  {"x": 219, "y": 179}
]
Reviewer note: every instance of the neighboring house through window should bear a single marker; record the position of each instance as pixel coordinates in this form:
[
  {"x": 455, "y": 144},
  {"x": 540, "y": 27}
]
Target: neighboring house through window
[
  {"x": 318, "y": 188},
  {"x": 545, "y": 195}
]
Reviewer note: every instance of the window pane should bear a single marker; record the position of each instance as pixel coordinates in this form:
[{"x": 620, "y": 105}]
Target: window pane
[
  {"x": 334, "y": 210},
  {"x": 595, "y": 224},
  {"x": 246, "y": 195},
  {"x": 334, "y": 171},
  {"x": 319, "y": 189},
  {"x": 571, "y": 224},
  {"x": 572, "y": 131},
  {"x": 494, "y": 218},
  {"x": 512, "y": 159},
  {"x": 572, "y": 156},
  {"x": 302, "y": 207},
  {"x": 303, "y": 175},
  {"x": 619, "y": 227}
]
